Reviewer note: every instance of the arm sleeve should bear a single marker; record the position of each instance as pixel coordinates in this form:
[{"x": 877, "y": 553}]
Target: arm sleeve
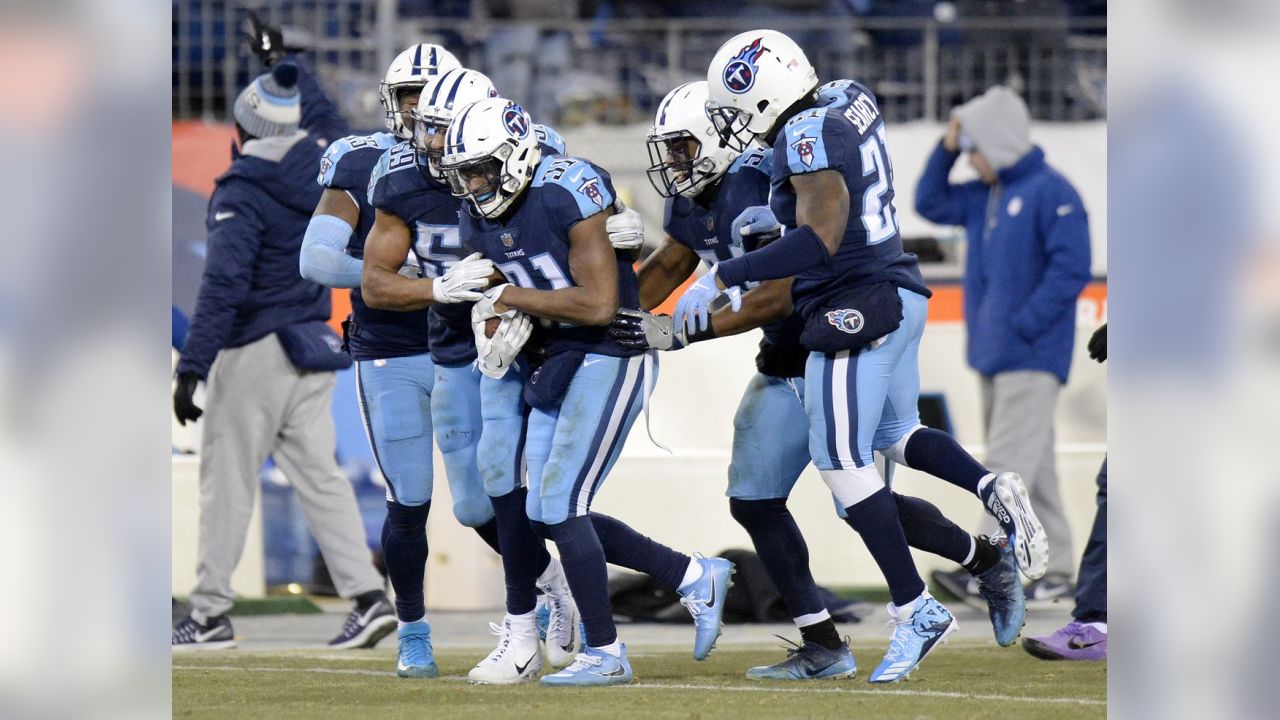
[
  {"x": 1066, "y": 245},
  {"x": 323, "y": 258},
  {"x": 937, "y": 200},
  {"x": 233, "y": 244},
  {"x": 320, "y": 116}
]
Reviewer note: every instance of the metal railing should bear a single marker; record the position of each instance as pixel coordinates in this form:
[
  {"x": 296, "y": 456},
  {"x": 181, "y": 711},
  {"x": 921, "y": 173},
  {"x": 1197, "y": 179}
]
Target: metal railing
[{"x": 617, "y": 71}]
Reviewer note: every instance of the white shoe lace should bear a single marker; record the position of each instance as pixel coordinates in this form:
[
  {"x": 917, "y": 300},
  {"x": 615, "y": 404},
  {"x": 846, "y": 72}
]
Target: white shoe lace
[
  {"x": 582, "y": 660},
  {"x": 694, "y": 606},
  {"x": 499, "y": 653}
]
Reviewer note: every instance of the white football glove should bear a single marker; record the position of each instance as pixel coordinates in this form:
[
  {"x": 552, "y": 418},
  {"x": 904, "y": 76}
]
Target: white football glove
[
  {"x": 463, "y": 281},
  {"x": 483, "y": 309},
  {"x": 496, "y": 355},
  {"x": 626, "y": 230}
]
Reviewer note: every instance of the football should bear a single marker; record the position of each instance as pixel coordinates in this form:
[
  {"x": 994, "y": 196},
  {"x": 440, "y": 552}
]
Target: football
[{"x": 491, "y": 326}]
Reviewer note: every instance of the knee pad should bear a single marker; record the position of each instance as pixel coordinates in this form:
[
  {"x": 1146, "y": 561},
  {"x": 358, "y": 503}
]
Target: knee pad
[
  {"x": 897, "y": 452},
  {"x": 853, "y": 485},
  {"x": 407, "y": 518},
  {"x": 473, "y": 512},
  {"x": 753, "y": 513}
]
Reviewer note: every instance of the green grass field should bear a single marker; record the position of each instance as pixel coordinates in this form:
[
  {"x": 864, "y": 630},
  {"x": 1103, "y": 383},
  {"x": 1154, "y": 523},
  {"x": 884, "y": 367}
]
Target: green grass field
[{"x": 961, "y": 680}]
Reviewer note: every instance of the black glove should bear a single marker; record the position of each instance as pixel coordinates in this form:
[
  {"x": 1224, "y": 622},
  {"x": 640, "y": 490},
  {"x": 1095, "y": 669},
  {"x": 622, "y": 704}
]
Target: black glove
[
  {"x": 267, "y": 42},
  {"x": 639, "y": 330},
  {"x": 1098, "y": 344},
  {"x": 183, "y": 405}
]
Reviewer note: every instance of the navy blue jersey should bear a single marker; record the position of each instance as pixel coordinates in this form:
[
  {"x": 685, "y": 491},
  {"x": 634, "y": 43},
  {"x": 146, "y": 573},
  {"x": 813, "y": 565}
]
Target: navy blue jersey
[
  {"x": 531, "y": 247},
  {"x": 845, "y": 133},
  {"x": 708, "y": 231},
  {"x": 347, "y": 166},
  {"x": 402, "y": 186}
]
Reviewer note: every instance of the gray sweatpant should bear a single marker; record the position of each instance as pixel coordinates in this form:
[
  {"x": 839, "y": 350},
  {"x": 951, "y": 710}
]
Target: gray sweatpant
[
  {"x": 1018, "y": 408},
  {"x": 258, "y": 404}
]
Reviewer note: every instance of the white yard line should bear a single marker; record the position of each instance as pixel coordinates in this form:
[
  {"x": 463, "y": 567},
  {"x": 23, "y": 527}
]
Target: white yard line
[{"x": 702, "y": 688}]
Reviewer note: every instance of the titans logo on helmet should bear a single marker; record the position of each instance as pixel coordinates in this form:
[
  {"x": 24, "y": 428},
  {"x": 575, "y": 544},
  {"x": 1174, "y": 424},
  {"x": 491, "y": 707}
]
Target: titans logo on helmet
[
  {"x": 515, "y": 121},
  {"x": 740, "y": 73},
  {"x": 846, "y": 320},
  {"x": 804, "y": 149}
]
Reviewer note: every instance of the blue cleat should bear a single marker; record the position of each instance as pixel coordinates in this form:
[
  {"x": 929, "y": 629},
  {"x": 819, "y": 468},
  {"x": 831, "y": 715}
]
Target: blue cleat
[
  {"x": 1006, "y": 499},
  {"x": 416, "y": 659},
  {"x": 809, "y": 662},
  {"x": 704, "y": 599},
  {"x": 593, "y": 667},
  {"x": 914, "y": 637},
  {"x": 542, "y": 617},
  {"x": 1006, "y": 601}
]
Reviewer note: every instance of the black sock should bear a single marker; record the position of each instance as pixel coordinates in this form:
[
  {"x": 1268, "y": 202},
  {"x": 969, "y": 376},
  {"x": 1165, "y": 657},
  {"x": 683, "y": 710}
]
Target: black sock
[
  {"x": 822, "y": 633},
  {"x": 627, "y": 548},
  {"x": 985, "y": 556},
  {"x": 782, "y": 551},
  {"x": 584, "y": 568},
  {"x": 524, "y": 555},
  {"x": 404, "y": 548},
  {"x": 488, "y": 532},
  {"x": 927, "y": 529},
  {"x": 876, "y": 520},
  {"x": 364, "y": 601},
  {"x": 938, "y": 454}
]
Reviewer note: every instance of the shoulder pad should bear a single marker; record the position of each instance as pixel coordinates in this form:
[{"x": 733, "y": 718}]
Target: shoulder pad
[
  {"x": 550, "y": 140},
  {"x": 588, "y": 185},
  {"x": 754, "y": 157},
  {"x": 330, "y": 161}
]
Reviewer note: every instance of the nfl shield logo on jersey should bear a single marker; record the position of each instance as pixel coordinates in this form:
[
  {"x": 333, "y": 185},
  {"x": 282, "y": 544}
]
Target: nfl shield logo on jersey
[
  {"x": 740, "y": 73},
  {"x": 507, "y": 240},
  {"x": 804, "y": 149},
  {"x": 846, "y": 320}
]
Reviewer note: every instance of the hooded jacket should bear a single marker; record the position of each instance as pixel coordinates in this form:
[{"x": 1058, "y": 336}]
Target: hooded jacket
[
  {"x": 1028, "y": 260},
  {"x": 257, "y": 216}
]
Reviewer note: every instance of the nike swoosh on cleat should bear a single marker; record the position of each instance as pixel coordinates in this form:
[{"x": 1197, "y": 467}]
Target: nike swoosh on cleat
[
  {"x": 1076, "y": 645},
  {"x": 616, "y": 672},
  {"x": 521, "y": 668},
  {"x": 712, "y": 601},
  {"x": 207, "y": 636}
]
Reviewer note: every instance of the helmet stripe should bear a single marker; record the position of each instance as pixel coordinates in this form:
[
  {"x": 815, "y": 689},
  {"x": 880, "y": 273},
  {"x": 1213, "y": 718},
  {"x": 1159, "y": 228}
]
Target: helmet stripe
[
  {"x": 461, "y": 122},
  {"x": 435, "y": 91},
  {"x": 453, "y": 91},
  {"x": 666, "y": 102},
  {"x": 432, "y": 63},
  {"x": 417, "y": 60}
]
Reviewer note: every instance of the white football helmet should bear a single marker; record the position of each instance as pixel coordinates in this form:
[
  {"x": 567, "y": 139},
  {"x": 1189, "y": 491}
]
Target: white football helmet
[
  {"x": 490, "y": 154},
  {"x": 410, "y": 70},
  {"x": 752, "y": 79},
  {"x": 685, "y": 151},
  {"x": 441, "y": 97}
]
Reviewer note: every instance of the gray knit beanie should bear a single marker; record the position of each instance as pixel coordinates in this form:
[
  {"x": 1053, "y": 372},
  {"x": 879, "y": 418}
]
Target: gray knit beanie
[
  {"x": 270, "y": 105},
  {"x": 997, "y": 124}
]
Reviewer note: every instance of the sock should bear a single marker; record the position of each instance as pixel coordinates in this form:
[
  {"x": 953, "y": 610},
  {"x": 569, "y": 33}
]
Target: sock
[
  {"x": 985, "y": 556},
  {"x": 782, "y": 551},
  {"x": 402, "y": 623},
  {"x": 488, "y": 532},
  {"x": 524, "y": 624},
  {"x": 822, "y": 633},
  {"x": 524, "y": 554},
  {"x": 691, "y": 574},
  {"x": 364, "y": 601},
  {"x": 541, "y": 530},
  {"x": 876, "y": 520},
  {"x": 404, "y": 549},
  {"x": 583, "y": 559},
  {"x": 627, "y": 548},
  {"x": 905, "y": 611},
  {"x": 614, "y": 648},
  {"x": 1099, "y": 626},
  {"x": 927, "y": 529},
  {"x": 938, "y": 454}
]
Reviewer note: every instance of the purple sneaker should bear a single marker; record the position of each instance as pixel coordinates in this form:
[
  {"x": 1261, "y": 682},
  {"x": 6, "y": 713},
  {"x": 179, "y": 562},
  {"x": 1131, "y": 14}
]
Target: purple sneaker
[{"x": 1076, "y": 641}]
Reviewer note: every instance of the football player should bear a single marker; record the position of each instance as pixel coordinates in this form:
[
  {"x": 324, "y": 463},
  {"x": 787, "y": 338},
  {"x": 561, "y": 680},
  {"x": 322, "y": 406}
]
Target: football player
[
  {"x": 863, "y": 302},
  {"x": 542, "y": 219},
  {"x": 707, "y": 185}
]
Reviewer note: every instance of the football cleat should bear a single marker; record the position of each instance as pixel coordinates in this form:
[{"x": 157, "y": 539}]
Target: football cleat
[
  {"x": 517, "y": 658},
  {"x": 960, "y": 584},
  {"x": 1076, "y": 641},
  {"x": 542, "y": 616},
  {"x": 364, "y": 628},
  {"x": 704, "y": 599},
  {"x": 1049, "y": 589},
  {"x": 914, "y": 637},
  {"x": 562, "y": 637},
  {"x": 416, "y": 659},
  {"x": 1000, "y": 586},
  {"x": 1006, "y": 499},
  {"x": 214, "y": 634},
  {"x": 809, "y": 661},
  {"x": 593, "y": 666}
]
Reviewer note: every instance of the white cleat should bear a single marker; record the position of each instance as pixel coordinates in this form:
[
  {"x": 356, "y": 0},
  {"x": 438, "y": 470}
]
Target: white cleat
[
  {"x": 1007, "y": 500},
  {"x": 517, "y": 658},
  {"x": 562, "y": 641}
]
